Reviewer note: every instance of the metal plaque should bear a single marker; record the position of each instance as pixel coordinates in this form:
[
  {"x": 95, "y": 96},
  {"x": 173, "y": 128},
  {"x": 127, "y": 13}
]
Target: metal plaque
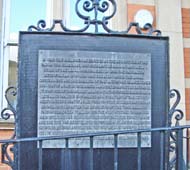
[
  {"x": 90, "y": 91},
  {"x": 71, "y": 83}
]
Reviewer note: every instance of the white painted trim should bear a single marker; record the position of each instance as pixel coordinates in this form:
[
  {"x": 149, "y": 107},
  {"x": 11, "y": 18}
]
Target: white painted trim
[
  {"x": 187, "y": 83},
  {"x": 142, "y": 2},
  {"x": 172, "y": 26},
  {"x": 58, "y": 9},
  {"x": 49, "y": 12},
  {"x": 1, "y": 59},
  {"x": 185, "y": 4},
  {"x": 67, "y": 13},
  {"x": 188, "y": 122},
  {"x": 186, "y": 42},
  {"x": 173, "y": 22},
  {"x": 4, "y": 59},
  {"x": 119, "y": 21}
]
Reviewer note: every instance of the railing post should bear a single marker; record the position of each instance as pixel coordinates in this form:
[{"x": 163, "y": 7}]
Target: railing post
[
  {"x": 162, "y": 150},
  {"x": 116, "y": 152},
  {"x": 66, "y": 153},
  {"x": 139, "y": 151},
  {"x": 40, "y": 166},
  {"x": 188, "y": 149},
  {"x": 179, "y": 149},
  {"x": 91, "y": 153}
]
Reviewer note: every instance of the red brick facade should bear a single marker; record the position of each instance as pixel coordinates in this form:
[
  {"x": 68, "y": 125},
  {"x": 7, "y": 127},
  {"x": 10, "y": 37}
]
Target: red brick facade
[
  {"x": 132, "y": 10},
  {"x": 187, "y": 62},
  {"x": 186, "y": 22},
  {"x": 187, "y": 102},
  {"x": 186, "y": 34}
]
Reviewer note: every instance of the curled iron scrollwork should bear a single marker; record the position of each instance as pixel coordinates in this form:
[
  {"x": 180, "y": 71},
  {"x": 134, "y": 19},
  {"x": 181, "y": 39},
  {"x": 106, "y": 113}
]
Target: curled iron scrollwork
[
  {"x": 96, "y": 13},
  {"x": 148, "y": 29},
  {"x": 174, "y": 117},
  {"x": 8, "y": 149},
  {"x": 41, "y": 26},
  {"x": 174, "y": 113},
  {"x": 9, "y": 111}
]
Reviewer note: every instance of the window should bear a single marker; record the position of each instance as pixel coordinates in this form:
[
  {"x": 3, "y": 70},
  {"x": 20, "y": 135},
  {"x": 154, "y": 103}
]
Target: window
[{"x": 17, "y": 16}]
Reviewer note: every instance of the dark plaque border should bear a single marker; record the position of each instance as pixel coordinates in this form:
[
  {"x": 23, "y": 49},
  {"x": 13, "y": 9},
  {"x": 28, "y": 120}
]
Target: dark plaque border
[{"x": 31, "y": 43}]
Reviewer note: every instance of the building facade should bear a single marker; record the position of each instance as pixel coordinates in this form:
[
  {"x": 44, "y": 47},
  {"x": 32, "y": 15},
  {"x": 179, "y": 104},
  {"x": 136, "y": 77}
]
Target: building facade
[
  {"x": 172, "y": 17},
  {"x": 6, "y": 127}
]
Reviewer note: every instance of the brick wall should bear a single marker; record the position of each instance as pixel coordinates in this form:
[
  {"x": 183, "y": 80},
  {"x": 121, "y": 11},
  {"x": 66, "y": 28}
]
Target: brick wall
[
  {"x": 132, "y": 10},
  {"x": 187, "y": 62},
  {"x": 187, "y": 102},
  {"x": 186, "y": 22},
  {"x": 186, "y": 34}
]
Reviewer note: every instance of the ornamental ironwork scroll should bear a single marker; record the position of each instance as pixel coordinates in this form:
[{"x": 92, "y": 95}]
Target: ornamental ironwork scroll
[
  {"x": 8, "y": 149},
  {"x": 99, "y": 14},
  {"x": 175, "y": 115}
]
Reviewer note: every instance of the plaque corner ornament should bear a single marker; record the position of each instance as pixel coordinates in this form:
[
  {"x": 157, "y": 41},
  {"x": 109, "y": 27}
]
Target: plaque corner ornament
[{"x": 97, "y": 13}]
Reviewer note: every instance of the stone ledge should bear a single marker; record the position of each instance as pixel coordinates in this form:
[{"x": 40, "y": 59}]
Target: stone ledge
[
  {"x": 186, "y": 42},
  {"x": 142, "y": 2},
  {"x": 185, "y": 3},
  {"x": 6, "y": 125}
]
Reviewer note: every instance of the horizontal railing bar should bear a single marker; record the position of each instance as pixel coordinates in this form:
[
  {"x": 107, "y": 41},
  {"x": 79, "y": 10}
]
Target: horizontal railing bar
[
  {"x": 186, "y": 137},
  {"x": 12, "y": 44},
  {"x": 87, "y": 135}
]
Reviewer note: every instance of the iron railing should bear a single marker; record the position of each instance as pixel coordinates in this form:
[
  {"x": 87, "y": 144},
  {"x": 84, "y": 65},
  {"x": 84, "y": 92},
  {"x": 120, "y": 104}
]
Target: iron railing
[
  {"x": 181, "y": 141},
  {"x": 172, "y": 139}
]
